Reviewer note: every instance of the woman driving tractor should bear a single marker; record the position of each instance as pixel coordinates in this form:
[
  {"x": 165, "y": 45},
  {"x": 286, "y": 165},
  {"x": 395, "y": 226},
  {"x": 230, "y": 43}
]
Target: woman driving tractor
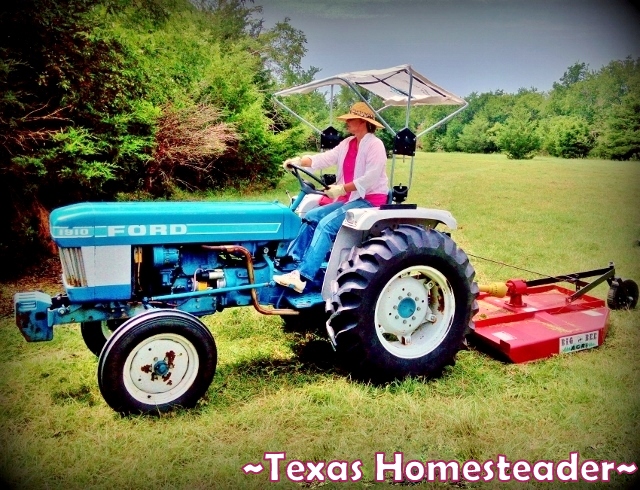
[{"x": 361, "y": 182}]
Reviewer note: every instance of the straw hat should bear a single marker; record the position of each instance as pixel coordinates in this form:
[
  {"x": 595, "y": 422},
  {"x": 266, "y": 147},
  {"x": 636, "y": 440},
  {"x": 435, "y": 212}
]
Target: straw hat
[{"x": 360, "y": 110}]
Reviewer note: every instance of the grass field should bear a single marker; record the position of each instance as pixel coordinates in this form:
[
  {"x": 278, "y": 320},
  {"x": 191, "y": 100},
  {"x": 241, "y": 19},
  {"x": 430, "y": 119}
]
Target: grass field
[{"x": 272, "y": 394}]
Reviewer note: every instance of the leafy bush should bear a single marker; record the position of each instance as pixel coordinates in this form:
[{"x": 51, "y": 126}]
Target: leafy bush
[
  {"x": 620, "y": 139},
  {"x": 69, "y": 121},
  {"x": 93, "y": 91},
  {"x": 567, "y": 137},
  {"x": 68, "y": 104},
  {"x": 477, "y": 137},
  {"x": 518, "y": 138}
]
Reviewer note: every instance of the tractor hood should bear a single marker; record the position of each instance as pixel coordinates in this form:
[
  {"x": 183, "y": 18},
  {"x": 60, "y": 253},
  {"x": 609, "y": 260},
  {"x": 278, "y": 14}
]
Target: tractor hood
[{"x": 148, "y": 223}]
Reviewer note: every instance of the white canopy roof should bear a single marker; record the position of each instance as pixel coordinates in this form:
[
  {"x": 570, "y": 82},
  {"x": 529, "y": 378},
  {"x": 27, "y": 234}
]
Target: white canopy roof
[{"x": 392, "y": 85}]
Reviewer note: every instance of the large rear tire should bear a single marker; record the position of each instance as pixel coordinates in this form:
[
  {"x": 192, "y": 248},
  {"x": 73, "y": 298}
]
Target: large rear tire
[
  {"x": 157, "y": 361},
  {"x": 403, "y": 305}
]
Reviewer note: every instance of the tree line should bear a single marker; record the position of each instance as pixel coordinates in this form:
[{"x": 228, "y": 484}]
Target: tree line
[
  {"x": 587, "y": 113},
  {"x": 147, "y": 99}
]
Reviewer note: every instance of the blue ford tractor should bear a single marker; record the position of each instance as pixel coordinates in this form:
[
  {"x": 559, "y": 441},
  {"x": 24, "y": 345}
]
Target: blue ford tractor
[{"x": 396, "y": 299}]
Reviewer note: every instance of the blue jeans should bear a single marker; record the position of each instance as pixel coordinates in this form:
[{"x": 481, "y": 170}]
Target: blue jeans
[{"x": 317, "y": 234}]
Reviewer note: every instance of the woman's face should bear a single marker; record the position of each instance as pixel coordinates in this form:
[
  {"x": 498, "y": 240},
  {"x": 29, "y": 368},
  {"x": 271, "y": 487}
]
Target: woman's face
[{"x": 356, "y": 126}]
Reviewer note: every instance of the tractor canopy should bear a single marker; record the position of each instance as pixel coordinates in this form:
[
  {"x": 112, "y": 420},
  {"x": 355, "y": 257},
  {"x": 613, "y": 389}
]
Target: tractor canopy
[{"x": 398, "y": 86}]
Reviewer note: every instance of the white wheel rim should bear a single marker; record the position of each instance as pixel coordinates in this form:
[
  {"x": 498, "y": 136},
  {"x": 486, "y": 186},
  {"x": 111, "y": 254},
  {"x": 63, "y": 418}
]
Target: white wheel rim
[
  {"x": 161, "y": 369},
  {"x": 414, "y": 312}
]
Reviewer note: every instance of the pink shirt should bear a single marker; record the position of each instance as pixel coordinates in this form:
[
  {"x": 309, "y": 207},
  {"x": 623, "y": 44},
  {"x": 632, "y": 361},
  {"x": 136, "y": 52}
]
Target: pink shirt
[{"x": 365, "y": 165}]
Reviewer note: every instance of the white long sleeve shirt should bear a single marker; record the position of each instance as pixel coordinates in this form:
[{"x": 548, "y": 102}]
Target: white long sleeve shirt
[{"x": 370, "y": 175}]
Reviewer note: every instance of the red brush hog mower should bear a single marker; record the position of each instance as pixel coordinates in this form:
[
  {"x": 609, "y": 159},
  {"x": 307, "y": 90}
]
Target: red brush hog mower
[{"x": 527, "y": 320}]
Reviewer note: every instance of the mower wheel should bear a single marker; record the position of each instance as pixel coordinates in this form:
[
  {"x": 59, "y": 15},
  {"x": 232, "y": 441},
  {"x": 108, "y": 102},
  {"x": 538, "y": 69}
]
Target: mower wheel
[
  {"x": 622, "y": 295},
  {"x": 403, "y": 305},
  {"x": 157, "y": 361},
  {"x": 96, "y": 334}
]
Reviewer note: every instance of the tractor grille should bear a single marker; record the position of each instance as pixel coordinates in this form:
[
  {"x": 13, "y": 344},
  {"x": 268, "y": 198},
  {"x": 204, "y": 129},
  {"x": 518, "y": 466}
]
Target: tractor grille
[{"x": 73, "y": 266}]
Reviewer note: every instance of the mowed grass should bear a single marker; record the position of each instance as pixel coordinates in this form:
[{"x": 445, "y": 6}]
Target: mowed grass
[{"x": 279, "y": 392}]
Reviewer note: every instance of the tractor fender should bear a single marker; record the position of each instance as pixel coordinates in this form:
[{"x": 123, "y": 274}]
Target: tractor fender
[
  {"x": 368, "y": 218},
  {"x": 363, "y": 223}
]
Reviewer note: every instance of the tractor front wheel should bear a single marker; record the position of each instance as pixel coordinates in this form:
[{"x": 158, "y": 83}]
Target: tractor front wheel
[
  {"x": 156, "y": 361},
  {"x": 95, "y": 334},
  {"x": 403, "y": 305}
]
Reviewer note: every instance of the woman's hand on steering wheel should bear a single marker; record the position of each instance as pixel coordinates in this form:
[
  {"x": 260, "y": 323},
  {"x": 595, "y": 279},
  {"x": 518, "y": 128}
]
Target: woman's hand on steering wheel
[
  {"x": 305, "y": 186},
  {"x": 287, "y": 164}
]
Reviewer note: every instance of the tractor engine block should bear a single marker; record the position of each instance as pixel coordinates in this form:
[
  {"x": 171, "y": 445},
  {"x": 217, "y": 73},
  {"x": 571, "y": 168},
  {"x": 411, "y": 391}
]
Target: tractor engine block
[{"x": 164, "y": 270}]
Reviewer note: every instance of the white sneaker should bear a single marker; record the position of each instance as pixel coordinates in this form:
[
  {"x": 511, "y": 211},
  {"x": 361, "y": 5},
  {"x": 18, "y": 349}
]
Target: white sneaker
[{"x": 291, "y": 280}]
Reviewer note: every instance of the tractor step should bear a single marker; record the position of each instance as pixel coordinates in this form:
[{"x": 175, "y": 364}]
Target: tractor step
[{"x": 305, "y": 300}]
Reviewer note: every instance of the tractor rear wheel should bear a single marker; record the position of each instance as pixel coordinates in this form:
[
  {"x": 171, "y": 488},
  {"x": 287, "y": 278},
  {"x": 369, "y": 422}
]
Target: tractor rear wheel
[
  {"x": 95, "y": 334},
  {"x": 403, "y": 305},
  {"x": 156, "y": 361}
]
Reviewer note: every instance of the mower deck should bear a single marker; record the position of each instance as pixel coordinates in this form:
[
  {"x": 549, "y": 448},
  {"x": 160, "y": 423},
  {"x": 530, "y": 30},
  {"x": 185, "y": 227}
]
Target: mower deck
[{"x": 539, "y": 322}]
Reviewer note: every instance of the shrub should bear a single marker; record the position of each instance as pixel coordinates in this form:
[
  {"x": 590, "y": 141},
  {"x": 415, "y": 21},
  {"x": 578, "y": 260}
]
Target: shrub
[
  {"x": 567, "y": 137},
  {"x": 620, "y": 139},
  {"x": 517, "y": 138},
  {"x": 477, "y": 137},
  {"x": 67, "y": 111},
  {"x": 188, "y": 143}
]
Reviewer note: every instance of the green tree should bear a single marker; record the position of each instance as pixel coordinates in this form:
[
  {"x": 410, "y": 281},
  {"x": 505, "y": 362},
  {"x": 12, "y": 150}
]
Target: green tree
[
  {"x": 577, "y": 72},
  {"x": 477, "y": 137},
  {"x": 71, "y": 124},
  {"x": 69, "y": 103},
  {"x": 427, "y": 116},
  {"x": 518, "y": 138},
  {"x": 567, "y": 137},
  {"x": 284, "y": 48},
  {"x": 620, "y": 139},
  {"x": 231, "y": 20},
  {"x": 93, "y": 91}
]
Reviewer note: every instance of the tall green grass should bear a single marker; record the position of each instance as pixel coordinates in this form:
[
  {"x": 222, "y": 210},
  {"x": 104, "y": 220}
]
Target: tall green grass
[{"x": 278, "y": 391}]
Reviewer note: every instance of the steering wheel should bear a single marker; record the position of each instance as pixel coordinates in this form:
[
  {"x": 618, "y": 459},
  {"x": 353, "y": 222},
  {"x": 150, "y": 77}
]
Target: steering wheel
[{"x": 305, "y": 186}]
